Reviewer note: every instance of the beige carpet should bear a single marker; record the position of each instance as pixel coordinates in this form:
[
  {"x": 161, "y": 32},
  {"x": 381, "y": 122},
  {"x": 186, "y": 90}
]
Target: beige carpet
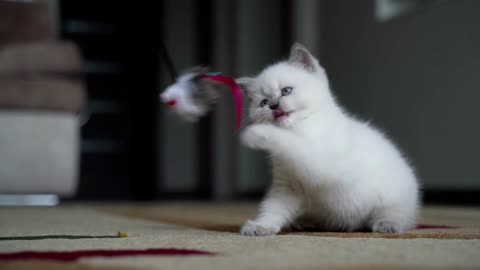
[
  {"x": 213, "y": 228},
  {"x": 229, "y": 217}
]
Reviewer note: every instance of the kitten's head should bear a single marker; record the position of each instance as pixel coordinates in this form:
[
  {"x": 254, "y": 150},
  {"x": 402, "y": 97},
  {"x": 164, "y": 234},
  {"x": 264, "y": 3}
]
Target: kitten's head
[{"x": 289, "y": 91}]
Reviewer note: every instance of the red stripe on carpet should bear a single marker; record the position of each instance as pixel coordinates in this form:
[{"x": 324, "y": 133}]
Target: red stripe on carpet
[{"x": 74, "y": 255}]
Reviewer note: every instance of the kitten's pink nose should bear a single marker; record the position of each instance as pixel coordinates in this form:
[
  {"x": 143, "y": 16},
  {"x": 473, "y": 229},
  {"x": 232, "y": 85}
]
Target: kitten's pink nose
[{"x": 274, "y": 106}]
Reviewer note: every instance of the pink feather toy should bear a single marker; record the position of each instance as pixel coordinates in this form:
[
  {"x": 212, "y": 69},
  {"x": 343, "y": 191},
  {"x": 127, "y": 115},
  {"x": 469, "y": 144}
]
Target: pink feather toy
[{"x": 194, "y": 93}]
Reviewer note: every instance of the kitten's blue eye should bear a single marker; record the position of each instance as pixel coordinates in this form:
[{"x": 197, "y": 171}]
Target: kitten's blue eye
[
  {"x": 263, "y": 102},
  {"x": 287, "y": 91}
]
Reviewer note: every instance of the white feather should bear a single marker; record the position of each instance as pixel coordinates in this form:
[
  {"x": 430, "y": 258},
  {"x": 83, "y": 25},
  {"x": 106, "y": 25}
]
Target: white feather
[{"x": 181, "y": 92}]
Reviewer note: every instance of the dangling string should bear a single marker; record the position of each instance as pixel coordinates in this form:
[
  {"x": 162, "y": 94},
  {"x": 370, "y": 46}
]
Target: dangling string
[{"x": 168, "y": 62}]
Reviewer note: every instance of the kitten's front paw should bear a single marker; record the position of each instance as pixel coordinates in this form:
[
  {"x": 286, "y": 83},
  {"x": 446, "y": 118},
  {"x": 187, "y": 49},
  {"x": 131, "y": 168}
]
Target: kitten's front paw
[
  {"x": 252, "y": 228},
  {"x": 386, "y": 227},
  {"x": 256, "y": 136}
]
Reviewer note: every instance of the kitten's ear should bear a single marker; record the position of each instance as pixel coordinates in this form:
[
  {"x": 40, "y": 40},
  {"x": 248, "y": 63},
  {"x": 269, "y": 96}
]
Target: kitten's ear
[
  {"x": 301, "y": 56},
  {"x": 245, "y": 84}
]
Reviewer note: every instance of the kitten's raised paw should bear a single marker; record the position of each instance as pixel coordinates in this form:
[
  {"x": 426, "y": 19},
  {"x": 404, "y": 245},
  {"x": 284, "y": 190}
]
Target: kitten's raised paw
[
  {"x": 256, "y": 136},
  {"x": 252, "y": 228},
  {"x": 386, "y": 227}
]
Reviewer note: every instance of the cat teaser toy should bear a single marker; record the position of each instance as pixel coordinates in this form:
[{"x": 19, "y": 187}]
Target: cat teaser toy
[{"x": 195, "y": 92}]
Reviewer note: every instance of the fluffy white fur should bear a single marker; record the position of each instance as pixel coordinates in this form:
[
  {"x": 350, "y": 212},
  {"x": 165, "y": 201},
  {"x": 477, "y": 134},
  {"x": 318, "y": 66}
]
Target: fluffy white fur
[{"x": 331, "y": 171}]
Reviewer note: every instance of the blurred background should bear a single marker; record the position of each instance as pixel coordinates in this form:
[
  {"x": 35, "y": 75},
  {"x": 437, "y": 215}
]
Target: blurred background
[{"x": 79, "y": 82}]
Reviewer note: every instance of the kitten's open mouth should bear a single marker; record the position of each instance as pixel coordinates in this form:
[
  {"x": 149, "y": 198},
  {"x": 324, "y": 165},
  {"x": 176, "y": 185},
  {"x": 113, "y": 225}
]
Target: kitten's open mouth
[{"x": 279, "y": 113}]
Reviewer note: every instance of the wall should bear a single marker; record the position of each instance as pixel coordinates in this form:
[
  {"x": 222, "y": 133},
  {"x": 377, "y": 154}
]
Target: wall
[{"x": 416, "y": 76}]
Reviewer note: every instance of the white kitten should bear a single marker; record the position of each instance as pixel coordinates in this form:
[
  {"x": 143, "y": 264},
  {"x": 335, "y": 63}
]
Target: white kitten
[{"x": 330, "y": 170}]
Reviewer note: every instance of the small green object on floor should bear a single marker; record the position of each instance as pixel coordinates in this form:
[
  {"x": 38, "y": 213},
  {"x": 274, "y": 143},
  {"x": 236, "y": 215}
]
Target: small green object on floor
[{"x": 61, "y": 236}]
